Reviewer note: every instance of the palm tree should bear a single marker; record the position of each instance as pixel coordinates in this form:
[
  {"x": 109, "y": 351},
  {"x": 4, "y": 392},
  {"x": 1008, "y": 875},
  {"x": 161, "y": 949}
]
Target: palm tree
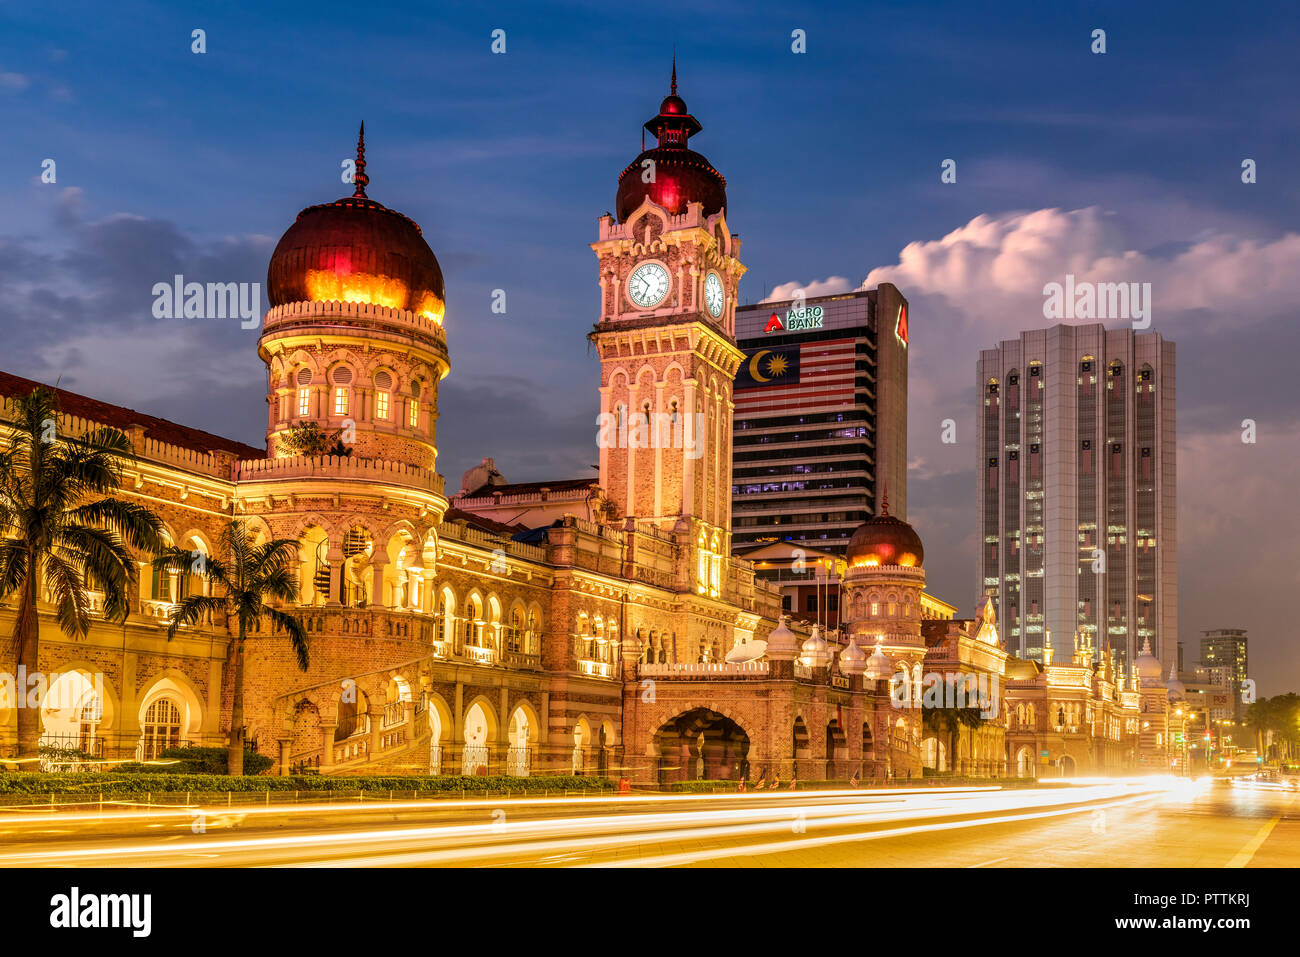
[
  {"x": 59, "y": 526},
  {"x": 248, "y": 575}
]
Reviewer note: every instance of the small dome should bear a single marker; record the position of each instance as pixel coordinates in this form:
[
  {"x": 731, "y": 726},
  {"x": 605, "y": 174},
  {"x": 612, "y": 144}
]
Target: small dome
[
  {"x": 1176, "y": 688},
  {"x": 816, "y": 653},
  {"x": 356, "y": 250},
  {"x": 879, "y": 667},
  {"x": 672, "y": 105},
  {"x": 1147, "y": 665},
  {"x": 781, "y": 643},
  {"x": 747, "y": 649},
  {"x": 885, "y": 540},
  {"x": 853, "y": 661}
]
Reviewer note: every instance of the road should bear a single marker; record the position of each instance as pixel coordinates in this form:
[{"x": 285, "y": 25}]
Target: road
[{"x": 1086, "y": 823}]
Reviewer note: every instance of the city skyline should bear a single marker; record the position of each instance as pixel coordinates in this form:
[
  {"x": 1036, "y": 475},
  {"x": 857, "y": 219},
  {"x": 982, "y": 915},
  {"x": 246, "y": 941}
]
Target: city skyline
[{"x": 971, "y": 256}]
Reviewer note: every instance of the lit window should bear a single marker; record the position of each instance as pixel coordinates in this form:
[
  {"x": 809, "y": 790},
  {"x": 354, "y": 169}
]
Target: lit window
[
  {"x": 340, "y": 400},
  {"x": 304, "y": 402},
  {"x": 381, "y": 405},
  {"x": 413, "y": 412}
]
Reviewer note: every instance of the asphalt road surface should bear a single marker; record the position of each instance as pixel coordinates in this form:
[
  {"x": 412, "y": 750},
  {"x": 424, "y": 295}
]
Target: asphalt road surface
[{"x": 1086, "y": 823}]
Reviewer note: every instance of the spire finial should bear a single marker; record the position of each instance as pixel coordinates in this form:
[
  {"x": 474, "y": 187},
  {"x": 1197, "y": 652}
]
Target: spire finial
[
  {"x": 674, "y": 69},
  {"x": 359, "y": 177},
  {"x": 884, "y": 503}
]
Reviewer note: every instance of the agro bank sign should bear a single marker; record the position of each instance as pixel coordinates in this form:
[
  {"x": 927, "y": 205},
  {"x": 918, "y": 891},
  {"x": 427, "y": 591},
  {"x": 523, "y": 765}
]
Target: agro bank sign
[{"x": 796, "y": 320}]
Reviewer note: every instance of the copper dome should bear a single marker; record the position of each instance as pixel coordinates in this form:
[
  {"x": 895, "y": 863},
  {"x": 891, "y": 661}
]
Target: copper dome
[
  {"x": 356, "y": 250},
  {"x": 885, "y": 540},
  {"x": 681, "y": 175}
]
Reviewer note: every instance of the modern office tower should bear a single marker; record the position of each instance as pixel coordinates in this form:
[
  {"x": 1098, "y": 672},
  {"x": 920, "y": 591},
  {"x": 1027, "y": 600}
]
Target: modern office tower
[
  {"x": 820, "y": 418},
  {"x": 1226, "y": 648},
  {"x": 1076, "y": 475}
]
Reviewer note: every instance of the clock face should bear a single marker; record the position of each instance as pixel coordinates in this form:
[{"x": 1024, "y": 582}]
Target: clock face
[
  {"x": 649, "y": 285},
  {"x": 713, "y": 294}
]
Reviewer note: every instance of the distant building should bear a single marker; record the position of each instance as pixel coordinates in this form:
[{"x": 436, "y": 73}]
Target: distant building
[
  {"x": 1076, "y": 473},
  {"x": 1226, "y": 648},
  {"x": 820, "y": 417}
]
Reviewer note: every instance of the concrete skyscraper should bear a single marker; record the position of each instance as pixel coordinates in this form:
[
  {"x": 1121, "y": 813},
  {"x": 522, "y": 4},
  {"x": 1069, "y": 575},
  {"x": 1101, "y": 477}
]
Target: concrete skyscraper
[{"x": 1076, "y": 490}]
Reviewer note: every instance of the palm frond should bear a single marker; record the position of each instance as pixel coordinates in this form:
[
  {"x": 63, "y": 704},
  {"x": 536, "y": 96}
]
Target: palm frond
[
  {"x": 138, "y": 526},
  {"x": 295, "y": 630},
  {"x": 192, "y": 609},
  {"x": 68, "y": 589}
]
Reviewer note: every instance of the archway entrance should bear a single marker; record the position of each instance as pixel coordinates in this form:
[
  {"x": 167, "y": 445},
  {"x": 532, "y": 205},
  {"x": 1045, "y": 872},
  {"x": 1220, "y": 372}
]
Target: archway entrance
[
  {"x": 702, "y": 745},
  {"x": 1065, "y": 764},
  {"x": 1025, "y": 763}
]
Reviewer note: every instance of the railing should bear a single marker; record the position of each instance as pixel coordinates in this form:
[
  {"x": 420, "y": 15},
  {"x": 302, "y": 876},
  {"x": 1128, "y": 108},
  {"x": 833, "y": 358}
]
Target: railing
[
  {"x": 441, "y": 649},
  {"x": 693, "y": 669},
  {"x": 520, "y": 659},
  {"x": 802, "y": 670},
  {"x": 351, "y": 468},
  {"x": 355, "y": 746},
  {"x": 70, "y": 752},
  {"x": 157, "y": 609},
  {"x": 519, "y": 762},
  {"x": 480, "y": 656},
  {"x": 435, "y": 759},
  {"x": 149, "y": 749},
  {"x": 394, "y": 714},
  {"x": 474, "y": 760},
  {"x": 595, "y": 669}
]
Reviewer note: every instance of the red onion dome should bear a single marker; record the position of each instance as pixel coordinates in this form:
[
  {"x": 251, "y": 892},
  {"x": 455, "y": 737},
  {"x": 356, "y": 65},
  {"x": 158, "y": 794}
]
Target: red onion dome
[
  {"x": 357, "y": 250},
  {"x": 681, "y": 175}
]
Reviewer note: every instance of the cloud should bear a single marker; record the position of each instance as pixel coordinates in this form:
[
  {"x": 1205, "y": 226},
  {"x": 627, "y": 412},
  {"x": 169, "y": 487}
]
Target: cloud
[
  {"x": 818, "y": 287},
  {"x": 15, "y": 82},
  {"x": 1225, "y": 298}
]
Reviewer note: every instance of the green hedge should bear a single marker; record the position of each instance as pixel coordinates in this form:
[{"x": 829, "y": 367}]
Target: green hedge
[
  {"x": 195, "y": 760},
  {"x": 114, "y": 782}
]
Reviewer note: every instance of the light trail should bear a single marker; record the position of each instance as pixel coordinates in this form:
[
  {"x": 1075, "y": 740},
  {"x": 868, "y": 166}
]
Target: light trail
[{"x": 695, "y": 819}]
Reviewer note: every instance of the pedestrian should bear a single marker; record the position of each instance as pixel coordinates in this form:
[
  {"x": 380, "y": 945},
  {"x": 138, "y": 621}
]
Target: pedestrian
[{"x": 853, "y": 781}]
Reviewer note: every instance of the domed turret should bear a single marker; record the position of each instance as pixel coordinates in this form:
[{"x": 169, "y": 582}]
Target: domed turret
[
  {"x": 816, "y": 653},
  {"x": 885, "y": 540},
  {"x": 681, "y": 175},
  {"x": 1146, "y": 664},
  {"x": 852, "y": 659},
  {"x": 357, "y": 250},
  {"x": 879, "y": 667},
  {"x": 781, "y": 643},
  {"x": 1175, "y": 687}
]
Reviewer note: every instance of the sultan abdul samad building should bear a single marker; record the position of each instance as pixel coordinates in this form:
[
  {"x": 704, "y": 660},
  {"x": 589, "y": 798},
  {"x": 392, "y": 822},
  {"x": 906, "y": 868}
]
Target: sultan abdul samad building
[{"x": 592, "y": 626}]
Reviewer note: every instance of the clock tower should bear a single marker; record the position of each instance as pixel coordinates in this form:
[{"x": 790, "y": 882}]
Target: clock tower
[{"x": 669, "y": 272}]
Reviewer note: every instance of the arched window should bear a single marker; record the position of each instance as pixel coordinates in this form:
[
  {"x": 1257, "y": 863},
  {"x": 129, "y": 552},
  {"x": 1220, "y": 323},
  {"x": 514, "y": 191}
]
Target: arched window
[
  {"x": 341, "y": 378},
  {"x": 162, "y": 727},
  {"x": 383, "y": 393},
  {"x": 304, "y": 392}
]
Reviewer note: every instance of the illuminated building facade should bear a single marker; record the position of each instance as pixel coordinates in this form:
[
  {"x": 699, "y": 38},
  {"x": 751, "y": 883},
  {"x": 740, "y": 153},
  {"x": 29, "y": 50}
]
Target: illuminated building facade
[
  {"x": 544, "y": 627},
  {"x": 1075, "y": 438},
  {"x": 821, "y": 417}
]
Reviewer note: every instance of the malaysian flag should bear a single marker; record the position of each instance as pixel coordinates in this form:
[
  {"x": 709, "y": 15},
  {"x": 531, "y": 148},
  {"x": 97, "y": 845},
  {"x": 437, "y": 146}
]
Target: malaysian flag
[{"x": 810, "y": 375}]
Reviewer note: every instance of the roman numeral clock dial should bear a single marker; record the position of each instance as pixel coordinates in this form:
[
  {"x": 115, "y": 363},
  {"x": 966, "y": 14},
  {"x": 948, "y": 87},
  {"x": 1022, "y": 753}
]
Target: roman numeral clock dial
[
  {"x": 714, "y": 296},
  {"x": 648, "y": 285}
]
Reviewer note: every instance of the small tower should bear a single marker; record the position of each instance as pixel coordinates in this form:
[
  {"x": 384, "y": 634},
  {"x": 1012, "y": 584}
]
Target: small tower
[
  {"x": 354, "y": 340},
  {"x": 669, "y": 272}
]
